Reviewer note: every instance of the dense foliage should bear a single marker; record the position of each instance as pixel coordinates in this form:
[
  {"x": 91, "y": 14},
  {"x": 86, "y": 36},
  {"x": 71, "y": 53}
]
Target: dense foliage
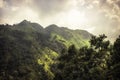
[
  {"x": 100, "y": 61},
  {"x": 29, "y": 52}
]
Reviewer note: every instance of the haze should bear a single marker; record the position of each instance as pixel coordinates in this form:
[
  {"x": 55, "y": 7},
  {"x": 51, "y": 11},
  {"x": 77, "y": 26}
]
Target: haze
[{"x": 95, "y": 16}]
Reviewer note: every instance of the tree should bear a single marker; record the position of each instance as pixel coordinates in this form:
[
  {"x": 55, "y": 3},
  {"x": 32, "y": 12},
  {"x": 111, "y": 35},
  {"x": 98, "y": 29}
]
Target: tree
[
  {"x": 89, "y": 63},
  {"x": 115, "y": 66}
]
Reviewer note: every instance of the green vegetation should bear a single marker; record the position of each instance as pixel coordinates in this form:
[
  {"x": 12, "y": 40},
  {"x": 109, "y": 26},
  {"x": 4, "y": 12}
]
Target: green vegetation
[
  {"x": 73, "y": 40},
  {"x": 46, "y": 60},
  {"x": 30, "y": 52},
  {"x": 99, "y": 61}
]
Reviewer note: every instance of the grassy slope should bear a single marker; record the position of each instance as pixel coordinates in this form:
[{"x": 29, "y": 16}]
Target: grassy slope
[{"x": 75, "y": 39}]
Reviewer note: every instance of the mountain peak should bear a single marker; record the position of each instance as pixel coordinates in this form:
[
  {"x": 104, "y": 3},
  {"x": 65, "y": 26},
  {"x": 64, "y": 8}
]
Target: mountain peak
[
  {"x": 52, "y": 26},
  {"x": 24, "y": 22}
]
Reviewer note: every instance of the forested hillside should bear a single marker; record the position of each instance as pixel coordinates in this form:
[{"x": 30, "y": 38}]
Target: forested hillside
[{"x": 30, "y": 52}]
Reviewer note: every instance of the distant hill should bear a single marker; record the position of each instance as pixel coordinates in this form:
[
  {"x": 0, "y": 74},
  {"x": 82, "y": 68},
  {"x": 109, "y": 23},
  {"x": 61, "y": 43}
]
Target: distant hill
[{"x": 27, "y": 50}]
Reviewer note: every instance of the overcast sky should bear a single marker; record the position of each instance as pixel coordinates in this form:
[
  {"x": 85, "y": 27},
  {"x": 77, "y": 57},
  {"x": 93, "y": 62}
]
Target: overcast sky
[{"x": 96, "y": 16}]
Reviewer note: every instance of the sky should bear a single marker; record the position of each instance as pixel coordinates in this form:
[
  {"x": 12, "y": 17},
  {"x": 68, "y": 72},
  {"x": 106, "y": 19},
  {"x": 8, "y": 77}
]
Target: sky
[{"x": 95, "y": 16}]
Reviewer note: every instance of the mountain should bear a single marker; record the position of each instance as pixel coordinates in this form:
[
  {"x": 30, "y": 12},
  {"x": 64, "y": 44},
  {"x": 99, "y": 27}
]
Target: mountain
[
  {"x": 53, "y": 36},
  {"x": 27, "y": 26},
  {"x": 67, "y": 36},
  {"x": 27, "y": 50}
]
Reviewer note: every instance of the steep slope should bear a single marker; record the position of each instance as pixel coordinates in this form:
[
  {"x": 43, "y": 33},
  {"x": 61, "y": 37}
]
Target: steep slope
[
  {"x": 27, "y": 50},
  {"x": 67, "y": 36},
  {"x": 20, "y": 56},
  {"x": 53, "y": 36}
]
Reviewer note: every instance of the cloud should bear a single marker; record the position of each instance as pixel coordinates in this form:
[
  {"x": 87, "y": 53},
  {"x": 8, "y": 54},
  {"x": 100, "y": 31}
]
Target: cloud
[
  {"x": 50, "y": 7},
  {"x": 1, "y": 3},
  {"x": 111, "y": 9},
  {"x": 98, "y": 16},
  {"x": 104, "y": 15}
]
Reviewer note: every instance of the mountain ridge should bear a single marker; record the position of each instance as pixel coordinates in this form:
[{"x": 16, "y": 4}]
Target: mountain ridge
[
  {"x": 62, "y": 35},
  {"x": 51, "y": 25},
  {"x": 28, "y": 50}
]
